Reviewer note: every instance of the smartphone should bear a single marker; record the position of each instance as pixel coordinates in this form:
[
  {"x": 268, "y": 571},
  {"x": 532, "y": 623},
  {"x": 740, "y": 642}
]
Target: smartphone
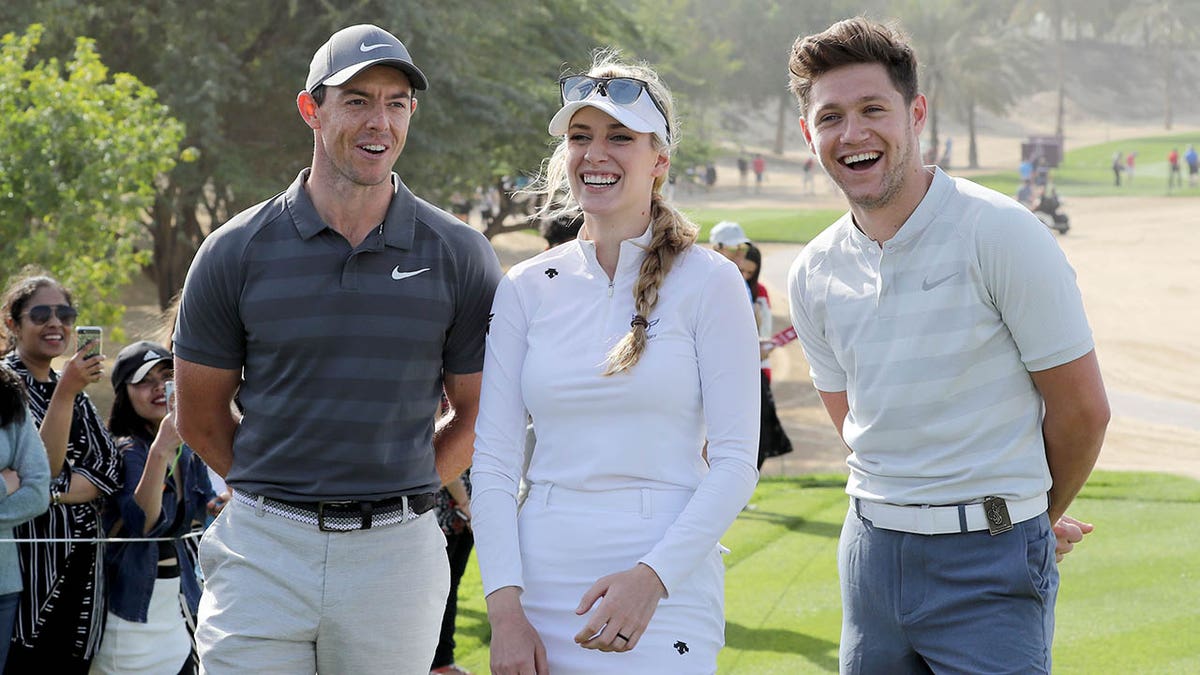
[
  {"x": 89, "y": 337},
  {"x": 169, "y": 392}
]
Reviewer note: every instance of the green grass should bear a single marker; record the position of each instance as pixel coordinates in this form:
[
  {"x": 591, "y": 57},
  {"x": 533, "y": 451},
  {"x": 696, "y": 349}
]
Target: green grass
[
  {"x": 1087, "y": 171},
  {"x": 791, "y": 225},
  {"x": 1129, "y": 600}
]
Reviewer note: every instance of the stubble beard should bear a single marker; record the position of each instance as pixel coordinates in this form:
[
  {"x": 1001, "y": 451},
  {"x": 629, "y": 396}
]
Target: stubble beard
[{"x": 893, "y": 183}]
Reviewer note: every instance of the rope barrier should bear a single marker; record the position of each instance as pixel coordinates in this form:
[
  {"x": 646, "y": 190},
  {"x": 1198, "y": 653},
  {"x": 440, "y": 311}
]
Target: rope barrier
[{"x": 101, "y": 540}]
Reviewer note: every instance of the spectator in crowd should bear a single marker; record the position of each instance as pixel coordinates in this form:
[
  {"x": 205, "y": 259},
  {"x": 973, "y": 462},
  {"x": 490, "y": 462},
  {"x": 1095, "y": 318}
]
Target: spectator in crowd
[
  {"x": 454, "y": 517},
  {"x": 730, "y": 240},
  {"x": 153, "y": 589},
  {"x": 1026, "y": 194},
  {"x": 810, "y": 170},
  {"x": 61, "y": 615},
  {"x": 1174, "y": 176},
  {"x": 26, "y": 474},
  {"x": 759, "y": 164},
  {"x": 560, "y": 229},
  {"x": 1193, "y": 162},
  {"x": 773, "y": 440}
]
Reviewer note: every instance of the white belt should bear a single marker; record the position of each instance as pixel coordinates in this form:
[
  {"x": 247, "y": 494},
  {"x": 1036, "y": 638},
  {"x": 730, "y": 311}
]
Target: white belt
[{"x": 953, "y": 519}]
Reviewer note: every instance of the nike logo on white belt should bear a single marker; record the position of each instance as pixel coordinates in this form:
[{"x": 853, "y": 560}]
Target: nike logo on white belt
[{"x": 398, "y": 275}]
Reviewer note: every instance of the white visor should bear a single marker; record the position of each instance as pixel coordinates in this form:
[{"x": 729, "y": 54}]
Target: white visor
[{"x": 641, "y": 115}]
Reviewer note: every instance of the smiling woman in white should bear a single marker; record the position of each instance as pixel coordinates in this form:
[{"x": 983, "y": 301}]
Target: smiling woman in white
[{"x": 630, "y": 348}]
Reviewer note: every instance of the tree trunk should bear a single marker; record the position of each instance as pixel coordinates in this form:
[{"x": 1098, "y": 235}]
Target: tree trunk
[
  {"x": 1058, "y": 58},
  {"x": 781, "y": 121},
  {"x": 508, "y": 208},
  {"x": 972, "y": 148},
  {"x": 1169, "y": 72}
]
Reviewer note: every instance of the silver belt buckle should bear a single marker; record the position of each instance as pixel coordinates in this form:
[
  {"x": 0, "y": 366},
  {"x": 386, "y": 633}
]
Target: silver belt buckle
[
  {"x": 995, "y": 510},
  {"x": 321, "y": 515}
]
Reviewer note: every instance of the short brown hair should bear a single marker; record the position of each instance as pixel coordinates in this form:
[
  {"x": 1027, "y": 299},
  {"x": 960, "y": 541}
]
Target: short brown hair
[{"x": 850, "y": 42}]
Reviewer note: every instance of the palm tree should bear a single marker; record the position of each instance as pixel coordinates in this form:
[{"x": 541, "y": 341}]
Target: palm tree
[
  {"x": 1167, "y": 27},
  {"x": 940, "y": 31}
]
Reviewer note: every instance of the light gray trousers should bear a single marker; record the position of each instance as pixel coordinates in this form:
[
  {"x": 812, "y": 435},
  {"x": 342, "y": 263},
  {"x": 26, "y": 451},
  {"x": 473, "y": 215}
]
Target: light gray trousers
[{"x": 283, "y": 597}]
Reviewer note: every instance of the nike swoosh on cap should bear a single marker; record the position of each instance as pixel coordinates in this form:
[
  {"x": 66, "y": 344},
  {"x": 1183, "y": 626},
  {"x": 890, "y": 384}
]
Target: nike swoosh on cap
[
  {"x": 398, "y": 275},
  {"x": 364, "y": 47}
]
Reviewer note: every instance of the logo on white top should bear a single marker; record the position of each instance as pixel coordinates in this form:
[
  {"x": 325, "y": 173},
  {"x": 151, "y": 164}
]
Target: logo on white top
[
  {"x": 398, "y": 275},
  {"x": 928, "y": 285},
  {"x": 364, "y": 47}
]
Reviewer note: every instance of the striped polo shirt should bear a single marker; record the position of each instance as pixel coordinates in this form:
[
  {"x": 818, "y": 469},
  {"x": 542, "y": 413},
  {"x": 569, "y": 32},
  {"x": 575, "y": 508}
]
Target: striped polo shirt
[
  {"x": 932, "y": 336},
  {"x": 341, "y": 349}
]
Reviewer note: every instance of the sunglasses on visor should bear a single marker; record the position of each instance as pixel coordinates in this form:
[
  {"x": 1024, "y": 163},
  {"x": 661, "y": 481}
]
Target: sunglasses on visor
[
  {"x": 40, "y": 314},
  {"x": 619, "y": 90}
]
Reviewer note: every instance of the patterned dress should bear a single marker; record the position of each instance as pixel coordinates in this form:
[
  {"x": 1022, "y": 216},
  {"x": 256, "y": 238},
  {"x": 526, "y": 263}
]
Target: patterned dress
[{"x": 63, "y": 604}]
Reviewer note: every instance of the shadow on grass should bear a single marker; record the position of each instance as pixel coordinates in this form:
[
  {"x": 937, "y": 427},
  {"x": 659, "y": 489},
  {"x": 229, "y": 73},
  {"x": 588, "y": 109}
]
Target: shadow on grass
[
  {"x": 815, "y": 650},
  {"x": 794, "y": 523},
  {"x": 815, "y": 480},
  {"x": 474, "y": 624}
]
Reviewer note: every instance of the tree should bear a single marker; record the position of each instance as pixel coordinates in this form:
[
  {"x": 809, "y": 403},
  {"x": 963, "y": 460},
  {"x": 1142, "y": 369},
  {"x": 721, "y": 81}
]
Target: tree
[
  {"x": 941, "y": 30},
  {"x": 231, "y": 69},
  {"x": 986, "y": 76},
  {"x": 1169, "y": 28},
  {"x": 80, "y": 156},
  {"x": 762, "y": 33}
]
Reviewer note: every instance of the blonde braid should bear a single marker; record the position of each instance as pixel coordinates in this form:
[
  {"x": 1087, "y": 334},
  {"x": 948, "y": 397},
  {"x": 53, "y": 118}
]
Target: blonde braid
[{"x": 672, "y": 235}]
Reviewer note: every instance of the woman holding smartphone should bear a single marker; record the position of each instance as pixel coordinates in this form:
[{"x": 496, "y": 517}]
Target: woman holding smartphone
[
  {"x": 630, "y": 347},
  {"x": 61, "y": 613},
  {"x": 165, "y": 494}
]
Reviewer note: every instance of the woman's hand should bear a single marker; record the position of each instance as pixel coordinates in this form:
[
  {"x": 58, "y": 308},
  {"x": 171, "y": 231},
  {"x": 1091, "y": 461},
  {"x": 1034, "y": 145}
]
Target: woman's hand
[
  {"x": 630, "y": 598},
  {"x": 167, "y": 441},
  {"x": 12, "y": 481},
  {"x": 516, "y": 647},
  {"x": 81, "y": 371}
]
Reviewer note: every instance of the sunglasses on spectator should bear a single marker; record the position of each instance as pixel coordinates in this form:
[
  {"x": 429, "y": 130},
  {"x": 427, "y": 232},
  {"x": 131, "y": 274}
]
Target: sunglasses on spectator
[
  {"x": 40, "y": 314},
  {"x": 620, "y": 90}
]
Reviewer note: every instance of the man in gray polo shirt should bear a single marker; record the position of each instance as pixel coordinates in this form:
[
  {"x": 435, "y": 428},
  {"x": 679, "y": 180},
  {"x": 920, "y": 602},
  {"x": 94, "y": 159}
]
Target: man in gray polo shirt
[
  {"x": 337, "y": 312},
  {"x": 947, "y": 340}
]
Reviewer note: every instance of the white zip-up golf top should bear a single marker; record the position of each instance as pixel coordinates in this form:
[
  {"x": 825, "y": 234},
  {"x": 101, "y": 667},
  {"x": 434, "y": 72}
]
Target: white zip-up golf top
[{"x": 555, "y": 317}]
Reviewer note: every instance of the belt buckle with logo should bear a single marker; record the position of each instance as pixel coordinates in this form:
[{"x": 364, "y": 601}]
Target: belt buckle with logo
[{"x": 995, "y": 510}]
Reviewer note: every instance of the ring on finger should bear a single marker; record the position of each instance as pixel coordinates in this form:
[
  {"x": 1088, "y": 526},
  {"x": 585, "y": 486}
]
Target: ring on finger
[{"x": 623, "y": 638}]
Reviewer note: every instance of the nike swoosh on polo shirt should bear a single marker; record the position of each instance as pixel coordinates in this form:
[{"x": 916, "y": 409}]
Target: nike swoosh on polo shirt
[
  {"x": 928, "y": 285},
  {"x": 398, "y": 275}
]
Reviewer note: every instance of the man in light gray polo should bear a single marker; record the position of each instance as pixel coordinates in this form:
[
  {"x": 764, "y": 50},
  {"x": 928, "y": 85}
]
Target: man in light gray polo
[
  {"x": 948, "y": 342},
  {"x": 337, "y": 312}
]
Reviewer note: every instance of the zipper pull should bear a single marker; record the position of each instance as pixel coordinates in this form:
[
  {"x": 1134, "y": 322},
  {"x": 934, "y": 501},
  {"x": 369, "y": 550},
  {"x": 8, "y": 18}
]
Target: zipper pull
[{"x": 610, "y": 289}]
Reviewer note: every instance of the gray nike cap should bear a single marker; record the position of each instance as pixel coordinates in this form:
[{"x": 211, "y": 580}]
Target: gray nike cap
[{"x": 352, "y": 49}]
